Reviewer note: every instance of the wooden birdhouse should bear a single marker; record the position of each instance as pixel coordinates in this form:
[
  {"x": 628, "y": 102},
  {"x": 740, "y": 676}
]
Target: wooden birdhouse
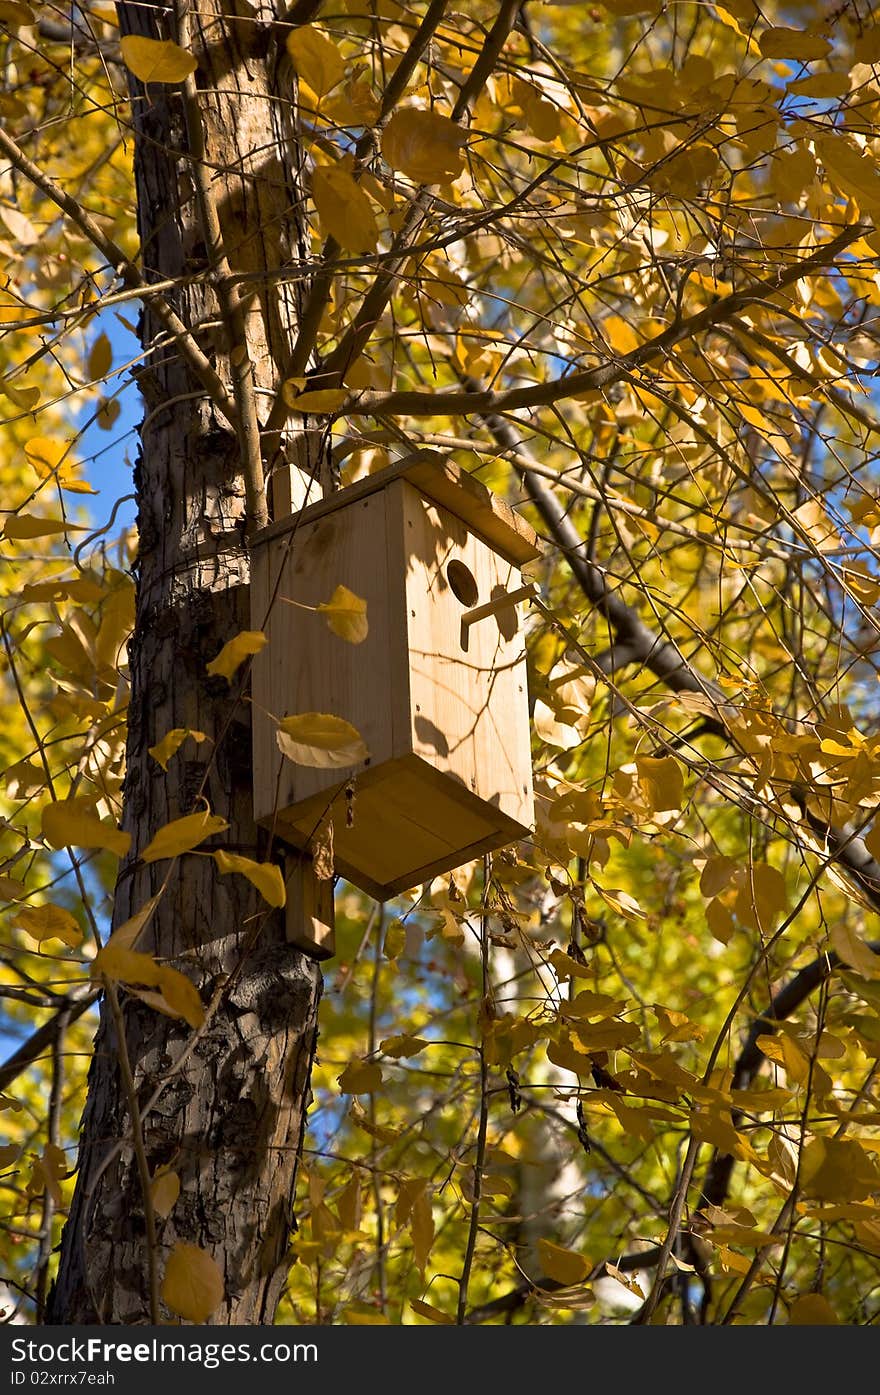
[{"x": 437, "y": 690}]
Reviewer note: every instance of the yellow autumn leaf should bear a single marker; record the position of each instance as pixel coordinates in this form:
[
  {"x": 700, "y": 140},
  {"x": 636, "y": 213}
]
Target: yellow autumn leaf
[
  {"x": 345, "y": 212},
  {"x": 785, "y": 1052},
  {"x": 547, "y": 726},
  {"x": 181, "y": 996},
  {"x": 122, "y": 965},
  {"x": 360, "y": 1078},
  {"x": 181, "y": 835},
  {"x": 564, "y": 966},
  {"x": 421, "y": 1221},
  {"x": 819, "y": 85},
  {"x": 395, "y": 940},
  {"x": 164, "y": 1190},
  {"x": 676, "y": 1026},
  {"x": 125, "y": 936},
  {"x": 25, "y": 526},
  {"x": 804, "y": 45},
  {"x": 715, "y": 875},
  {"x": 562, "y": 1265},
  {"x": 73, "y": 823},
  {"x": 853, "y": 951},
  {"x": 609, "y": 1035},
  {"x": 49, "y": 923},
  {"x": 171, "y": 743},
  {"x": 316, "y": 59},
  {"x": 423, "y": 145},
  {"x": 561, "y": 1053},
  {"x": 25, "y": 398},
  {"x": 156, "y": 60},
  {"x": 53, "y": 460},
  {"x": 812, "y": 1310},
  {"x": 265, "y": 876},
  {"x": 193, "y": 1284},
  {"x": 838, "y": 1170},
  {"x": 720, "y": 921},
  {"x": 854, "y": 172},
  {"x": 15, "y": 13},
  {"x": 816, "y": 526},
  {"x": 590, "y": 1004},
  {"x": 633, "y": 1285},
  {"x": 100, "y": 357},
  {"x": 620, "y": 902},
  {"x": 402, "y": 1046},
  {"x": 620, "y": 334},
  {"x": 321, "y": 402},
  {"x": 321, "y": 741},
  {"x": 346, "y": 615},
  {"x": 48, "y": 1171},
  {"x": 662, "y": 782},
  {"x": 761, "y": 892},
  {"x": 234, "y": 653},
  {"x": 427, "y": 1310}
]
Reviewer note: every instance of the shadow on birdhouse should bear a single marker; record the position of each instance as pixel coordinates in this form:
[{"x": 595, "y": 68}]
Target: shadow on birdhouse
[{"x": 437, "y": 690}]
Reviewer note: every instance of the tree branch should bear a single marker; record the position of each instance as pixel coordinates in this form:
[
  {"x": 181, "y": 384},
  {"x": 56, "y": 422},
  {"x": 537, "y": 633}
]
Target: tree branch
[
  {"x": 781, "y": 1006},
  {"x": 374, "y": 303},
  {"x": 662, "y": 657},
  {"x": 126, "y": 271},
  {"x": 79, "y": 1001},
  {"x": 451, "y": 402}
]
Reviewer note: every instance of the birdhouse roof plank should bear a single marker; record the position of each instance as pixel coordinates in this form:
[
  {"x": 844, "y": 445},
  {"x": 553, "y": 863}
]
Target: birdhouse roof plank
[{"x": 446, "y": 484}]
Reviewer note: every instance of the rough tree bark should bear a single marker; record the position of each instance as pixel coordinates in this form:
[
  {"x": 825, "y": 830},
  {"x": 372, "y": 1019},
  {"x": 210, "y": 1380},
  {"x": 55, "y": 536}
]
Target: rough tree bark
[{"x": 230, "y": 1118}]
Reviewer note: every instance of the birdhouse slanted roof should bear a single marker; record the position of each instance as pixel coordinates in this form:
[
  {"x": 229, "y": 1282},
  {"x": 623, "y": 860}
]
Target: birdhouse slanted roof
[{"x": 446, "y": 484}]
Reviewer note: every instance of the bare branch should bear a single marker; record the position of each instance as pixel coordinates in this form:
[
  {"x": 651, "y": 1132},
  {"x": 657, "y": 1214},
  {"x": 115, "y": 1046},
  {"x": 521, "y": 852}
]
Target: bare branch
[
  {"x": 125, "y": 270},
  {"x": 450, "y": 402}
]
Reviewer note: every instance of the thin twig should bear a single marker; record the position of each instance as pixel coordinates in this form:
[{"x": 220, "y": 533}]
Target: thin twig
[
  {"x": 451, "y": 402},
  {"x": 482, "y": 1127},
  {"x": 125, "y": 270},
  {"x": 374, "y": 1150}
]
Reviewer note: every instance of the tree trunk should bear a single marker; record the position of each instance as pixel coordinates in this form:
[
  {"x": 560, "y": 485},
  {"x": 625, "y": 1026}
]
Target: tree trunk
[{"x": 231, "y": 1113}]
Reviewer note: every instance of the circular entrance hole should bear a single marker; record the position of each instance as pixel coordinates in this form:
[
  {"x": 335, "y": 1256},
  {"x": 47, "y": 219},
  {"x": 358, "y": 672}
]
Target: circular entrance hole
[{"x": 462, "y": 583}]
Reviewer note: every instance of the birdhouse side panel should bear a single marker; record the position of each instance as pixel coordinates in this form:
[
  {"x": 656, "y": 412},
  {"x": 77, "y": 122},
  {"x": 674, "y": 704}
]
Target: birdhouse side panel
[
  {"x": 305, "y": 666},
  {"x": 468, "y": 686}
]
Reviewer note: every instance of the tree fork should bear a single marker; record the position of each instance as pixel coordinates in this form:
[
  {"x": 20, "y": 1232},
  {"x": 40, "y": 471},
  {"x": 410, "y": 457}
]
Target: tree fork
[{"x": 227, "y": 1111}]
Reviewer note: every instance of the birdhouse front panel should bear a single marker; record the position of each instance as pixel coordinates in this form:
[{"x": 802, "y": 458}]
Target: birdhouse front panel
[
  {"x": 468, "y": 698},
  {"x": 440, "y": 703}
]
